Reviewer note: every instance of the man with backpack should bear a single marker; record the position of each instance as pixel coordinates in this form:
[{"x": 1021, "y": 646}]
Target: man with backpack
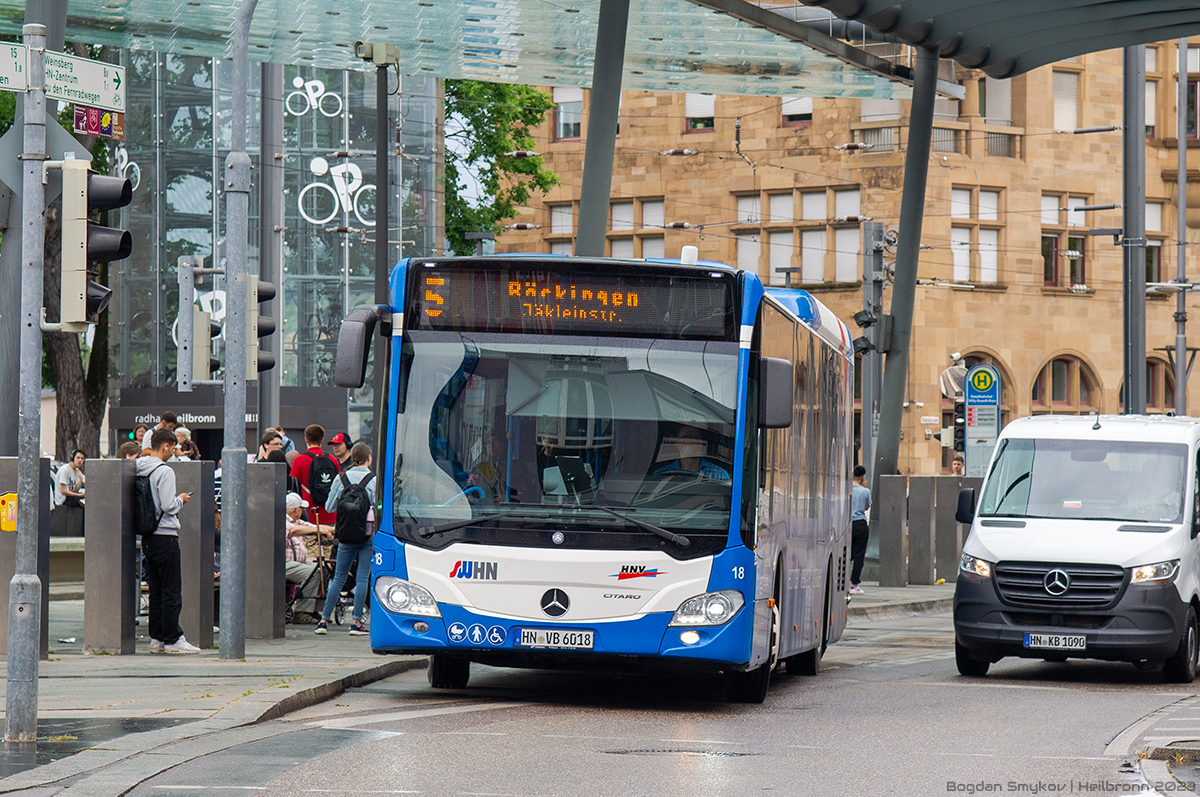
[
  {"x": 316, "y": 472},
  {"x": 156, "y": 517},
  {"x": 352, "y": 497}
]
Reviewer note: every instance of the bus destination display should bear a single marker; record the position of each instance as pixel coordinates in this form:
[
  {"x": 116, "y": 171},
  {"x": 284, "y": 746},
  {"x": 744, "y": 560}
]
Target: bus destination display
[{"x": 502, "y": 300}]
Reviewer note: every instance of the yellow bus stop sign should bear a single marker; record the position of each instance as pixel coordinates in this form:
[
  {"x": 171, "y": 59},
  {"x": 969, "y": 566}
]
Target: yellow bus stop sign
[
  {"x": 982, "y": 380},
  {"x": 8, "y": 512}
]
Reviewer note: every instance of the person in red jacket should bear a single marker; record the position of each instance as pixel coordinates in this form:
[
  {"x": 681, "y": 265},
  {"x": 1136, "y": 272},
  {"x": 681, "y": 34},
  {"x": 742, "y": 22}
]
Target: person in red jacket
[{"x": 316, "y": 471}]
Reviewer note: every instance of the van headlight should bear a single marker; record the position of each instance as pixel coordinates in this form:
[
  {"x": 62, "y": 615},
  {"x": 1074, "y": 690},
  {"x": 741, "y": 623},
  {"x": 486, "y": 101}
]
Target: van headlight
[
  {"x": 711, "y": 608},
  {"x": 404, "y": 597},
  {"x": 1160, "y": 573},
  {"x": 971, "y": 566}
]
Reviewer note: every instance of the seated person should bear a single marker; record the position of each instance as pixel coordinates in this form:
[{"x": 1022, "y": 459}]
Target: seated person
[
  {"x": 691, "y": 448},
  {"x": 299, "y": 570}
]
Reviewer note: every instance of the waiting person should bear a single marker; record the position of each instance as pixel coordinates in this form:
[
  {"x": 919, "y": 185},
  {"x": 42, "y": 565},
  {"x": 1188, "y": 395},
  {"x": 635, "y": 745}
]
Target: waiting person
[
  {"x": 188, "y": 450},
  {"x": 348, "y": 552},
  {"x": 860, "y": 502},
  {"x": 138, "y": 433},
  {"x": 299, "y": 570},
  {"x": 956, "y": 465},
  {"x": 271, "y": 441},
  {"x": 166, "y": 421},
  {"x": 340, "y": 443},
  {"x": 161, "y": 549},
  {"x": 288, "y": 445},
  {"x": 66, "y": 519},
  {"x": 129, "y": 450},
  {"x": 317, "y": 471}
]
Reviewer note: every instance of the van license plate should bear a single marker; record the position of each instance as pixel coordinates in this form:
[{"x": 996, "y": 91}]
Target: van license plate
[
  {"x": 554, "y": 639},
  {"x": 1055, "y": 642}
]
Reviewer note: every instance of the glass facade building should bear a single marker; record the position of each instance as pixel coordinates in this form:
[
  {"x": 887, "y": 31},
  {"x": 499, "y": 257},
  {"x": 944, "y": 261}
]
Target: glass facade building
[{"x": 177, "y": 139}]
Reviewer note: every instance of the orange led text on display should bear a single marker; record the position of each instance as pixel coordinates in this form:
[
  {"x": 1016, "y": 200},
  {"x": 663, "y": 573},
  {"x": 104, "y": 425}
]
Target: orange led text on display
[
  {"x": 569, "y": 301},
  {"x": 433, "y": 296}
]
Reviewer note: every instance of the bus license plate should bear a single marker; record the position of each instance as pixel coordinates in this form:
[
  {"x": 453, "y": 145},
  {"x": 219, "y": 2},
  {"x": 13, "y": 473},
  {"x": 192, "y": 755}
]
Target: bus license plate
[
  {"x": 555, "y": 639},
  {"x": 1055, "y": 642}
]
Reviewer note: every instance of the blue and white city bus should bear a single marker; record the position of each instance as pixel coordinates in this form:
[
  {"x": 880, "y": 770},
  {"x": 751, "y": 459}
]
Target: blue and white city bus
[{"x": 606, "y": 463}]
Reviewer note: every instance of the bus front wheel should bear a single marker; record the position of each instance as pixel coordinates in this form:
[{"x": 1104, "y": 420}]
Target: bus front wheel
[{"x": 448, "y": 672}]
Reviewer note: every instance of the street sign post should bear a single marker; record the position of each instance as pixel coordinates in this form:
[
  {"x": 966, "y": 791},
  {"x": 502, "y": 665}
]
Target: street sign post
[
  {"x": 982, "y": 389},
  {"x": 81, "y": 80}
]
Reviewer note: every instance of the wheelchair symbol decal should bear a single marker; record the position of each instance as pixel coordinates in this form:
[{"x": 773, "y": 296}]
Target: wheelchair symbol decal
[
  {"x": 496, "y": 635},
  {"x": 311, "y": 94},
  {"x": 345, "y": 193}
]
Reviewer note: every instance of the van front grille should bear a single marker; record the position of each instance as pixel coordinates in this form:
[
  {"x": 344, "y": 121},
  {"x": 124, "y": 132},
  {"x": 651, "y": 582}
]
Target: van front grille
[{"x": 1087, "y": 586}]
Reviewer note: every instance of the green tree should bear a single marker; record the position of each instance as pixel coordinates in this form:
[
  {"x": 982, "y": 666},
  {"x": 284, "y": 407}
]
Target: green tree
[{"x": 484, "y": 123}]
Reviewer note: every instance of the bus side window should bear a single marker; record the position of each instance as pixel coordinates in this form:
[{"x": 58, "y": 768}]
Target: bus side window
[{"x": 1196, "y": 499}]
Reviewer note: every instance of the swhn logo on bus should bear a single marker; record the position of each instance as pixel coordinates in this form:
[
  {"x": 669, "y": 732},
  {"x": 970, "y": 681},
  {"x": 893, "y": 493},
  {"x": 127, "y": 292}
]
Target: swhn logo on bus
[{"x": 486, "y": 571}]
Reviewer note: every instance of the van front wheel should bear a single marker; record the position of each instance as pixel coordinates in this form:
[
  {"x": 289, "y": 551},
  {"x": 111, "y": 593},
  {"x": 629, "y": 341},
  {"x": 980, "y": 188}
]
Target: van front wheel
[{"x": 1181, "y": 668}]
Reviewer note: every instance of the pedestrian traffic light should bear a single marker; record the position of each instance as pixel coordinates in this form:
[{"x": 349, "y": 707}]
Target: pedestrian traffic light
[
  {"x": 960, "y": 426},
  {"x": 258, "y": 326},
  {"x": 85, "y": 243}
]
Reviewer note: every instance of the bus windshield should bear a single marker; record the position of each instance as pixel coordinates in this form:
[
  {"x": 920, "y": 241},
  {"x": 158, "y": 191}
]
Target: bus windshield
[
  {"x": 538, "y": 432},
  {"x": 1087, "y": 480}
]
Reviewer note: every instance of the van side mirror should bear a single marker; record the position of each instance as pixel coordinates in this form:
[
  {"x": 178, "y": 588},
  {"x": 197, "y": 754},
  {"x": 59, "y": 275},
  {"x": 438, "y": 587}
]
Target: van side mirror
[
  {"x": 354, "y": 343},
  {"x": 775, "y": 376},
  {"x": 965, "y": 513}
]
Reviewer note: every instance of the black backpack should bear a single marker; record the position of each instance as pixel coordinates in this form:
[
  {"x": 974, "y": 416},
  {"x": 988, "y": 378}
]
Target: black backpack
[
  {"x": 145, "y": 515},
  {"x": 353, "y": 507},
  {"x": 321, "y": 474}
]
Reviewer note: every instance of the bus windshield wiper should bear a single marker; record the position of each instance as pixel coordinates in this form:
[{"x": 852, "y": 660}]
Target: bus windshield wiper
[
  {"x": 453, "y": 525},
  {"x": 670, "y": 536}
]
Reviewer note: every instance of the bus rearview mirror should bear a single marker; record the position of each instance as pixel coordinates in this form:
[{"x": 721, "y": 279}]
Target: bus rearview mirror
[
  {"x": 775, "y": 376},
  {"x": 354, "y": 344}
]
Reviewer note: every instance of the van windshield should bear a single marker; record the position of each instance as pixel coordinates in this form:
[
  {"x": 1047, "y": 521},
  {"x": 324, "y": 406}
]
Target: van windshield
[{"x": 1087, "y": 480}]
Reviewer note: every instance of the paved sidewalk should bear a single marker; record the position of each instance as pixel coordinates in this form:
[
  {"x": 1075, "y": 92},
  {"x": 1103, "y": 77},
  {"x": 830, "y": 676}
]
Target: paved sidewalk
[
  {"x": 107, "y": 712},
  {"x": 108, "y": 722}
]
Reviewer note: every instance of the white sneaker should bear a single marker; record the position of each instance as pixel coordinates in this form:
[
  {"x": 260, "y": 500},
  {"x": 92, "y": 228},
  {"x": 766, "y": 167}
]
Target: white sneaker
[
  {"x": 157, "y": 646},
  {"x": 856, "y": 590},
  {"x": 180, "y": 645}
]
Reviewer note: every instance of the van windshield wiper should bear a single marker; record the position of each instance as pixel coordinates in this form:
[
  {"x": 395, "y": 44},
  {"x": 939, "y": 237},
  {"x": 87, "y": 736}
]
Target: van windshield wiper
[
  {"x": 669, "y": 536},
  {"x": 454, "y": 525},
  {"x": 1013, "y": 486}
]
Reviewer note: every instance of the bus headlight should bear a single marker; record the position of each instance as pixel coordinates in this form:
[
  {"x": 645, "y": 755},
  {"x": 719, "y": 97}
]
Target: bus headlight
[
  {"x": 975, "y": 567},
  {"x": 404, "y": 597},
  {"x": 1160, "y": 573},
  {"x": 711, "y": 608}
]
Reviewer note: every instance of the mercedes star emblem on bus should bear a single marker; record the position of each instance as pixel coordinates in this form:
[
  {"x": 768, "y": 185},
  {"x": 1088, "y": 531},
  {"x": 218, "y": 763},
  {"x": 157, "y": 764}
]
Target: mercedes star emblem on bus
[{"x": 555, "y": 603}]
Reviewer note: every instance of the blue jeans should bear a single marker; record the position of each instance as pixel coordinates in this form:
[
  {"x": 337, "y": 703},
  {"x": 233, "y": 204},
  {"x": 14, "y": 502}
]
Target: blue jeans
[{"x": 345, "y": 555}]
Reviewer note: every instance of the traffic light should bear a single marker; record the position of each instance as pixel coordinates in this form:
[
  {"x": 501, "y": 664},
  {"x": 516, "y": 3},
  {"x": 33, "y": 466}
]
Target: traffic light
[
  {"x": 960, "y": 426},
  {"x": 85, "y": 243},
  {"x": 204, "y": 329},
  {"x": 258, "y": 326}
]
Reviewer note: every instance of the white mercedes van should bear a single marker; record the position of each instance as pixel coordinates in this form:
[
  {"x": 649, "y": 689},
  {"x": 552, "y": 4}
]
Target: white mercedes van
[{"x": 1084, "y": 544}]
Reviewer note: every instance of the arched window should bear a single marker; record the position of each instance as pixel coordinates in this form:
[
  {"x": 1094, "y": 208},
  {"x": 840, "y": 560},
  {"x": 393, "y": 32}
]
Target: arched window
[
  {"x": 1160, "y": 388},
  {"x": 1065, "y": 386}
]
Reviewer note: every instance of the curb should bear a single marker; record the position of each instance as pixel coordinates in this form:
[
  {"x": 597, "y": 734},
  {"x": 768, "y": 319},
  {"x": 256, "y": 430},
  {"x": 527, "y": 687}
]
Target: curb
[
  {"x": 885, "y": 610},
  {"x": 121, "y": 763}
]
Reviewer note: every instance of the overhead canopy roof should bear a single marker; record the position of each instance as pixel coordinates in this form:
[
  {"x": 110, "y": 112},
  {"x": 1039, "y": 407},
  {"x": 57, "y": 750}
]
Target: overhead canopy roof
[
  {"x": 1011, "y": 37},
  {"x": 672, "y": 45}
]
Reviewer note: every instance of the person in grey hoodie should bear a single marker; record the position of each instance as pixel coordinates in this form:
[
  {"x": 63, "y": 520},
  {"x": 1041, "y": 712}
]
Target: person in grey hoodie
[{"x": 161, "y": 548}]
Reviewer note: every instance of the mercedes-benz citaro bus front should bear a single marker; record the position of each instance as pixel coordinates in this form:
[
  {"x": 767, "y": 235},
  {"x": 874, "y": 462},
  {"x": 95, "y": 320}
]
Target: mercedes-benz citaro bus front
[{"x": 562, "y": 469}]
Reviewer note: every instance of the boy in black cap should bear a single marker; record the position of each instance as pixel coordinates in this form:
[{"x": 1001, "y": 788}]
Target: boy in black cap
[{"x": 341, "y": 443}]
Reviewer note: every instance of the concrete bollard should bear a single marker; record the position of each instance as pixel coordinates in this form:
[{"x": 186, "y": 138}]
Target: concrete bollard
[
  {"x": 920, "y": 530},
  {"x": 111, "y": 580},
  {"x": 893, "y": 531},
  {"x": 8, "y": 549},
  {"x": 266, "y": 486},
  {"x": 197, "y": 544},
  {"x": 947, "y": 534}
]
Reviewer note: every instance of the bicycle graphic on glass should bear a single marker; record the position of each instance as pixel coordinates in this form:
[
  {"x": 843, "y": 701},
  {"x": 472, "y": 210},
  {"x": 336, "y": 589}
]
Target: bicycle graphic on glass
[{"x": 346, "y": 193}]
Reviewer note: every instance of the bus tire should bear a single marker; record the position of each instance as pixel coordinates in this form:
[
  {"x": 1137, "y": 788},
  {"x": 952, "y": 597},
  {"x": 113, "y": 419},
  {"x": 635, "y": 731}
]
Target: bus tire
[
  {"x": 967, "y": 665},
  {"x": 448, "y": 672},
  {"x": 1181, "y": 667},
  {"x": 750, "y": 687}
]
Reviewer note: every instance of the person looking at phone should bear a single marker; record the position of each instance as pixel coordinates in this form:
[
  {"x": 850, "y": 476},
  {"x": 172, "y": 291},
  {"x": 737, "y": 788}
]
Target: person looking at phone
[{"x": 161, "y": 548}]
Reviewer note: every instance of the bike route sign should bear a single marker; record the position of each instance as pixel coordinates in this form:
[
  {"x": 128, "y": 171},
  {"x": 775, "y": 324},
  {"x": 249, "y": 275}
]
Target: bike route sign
[
  {"x": 84, "y": 81},
  {"x": 14, "y": 67},
  {"x": 983, "y": 417}
]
